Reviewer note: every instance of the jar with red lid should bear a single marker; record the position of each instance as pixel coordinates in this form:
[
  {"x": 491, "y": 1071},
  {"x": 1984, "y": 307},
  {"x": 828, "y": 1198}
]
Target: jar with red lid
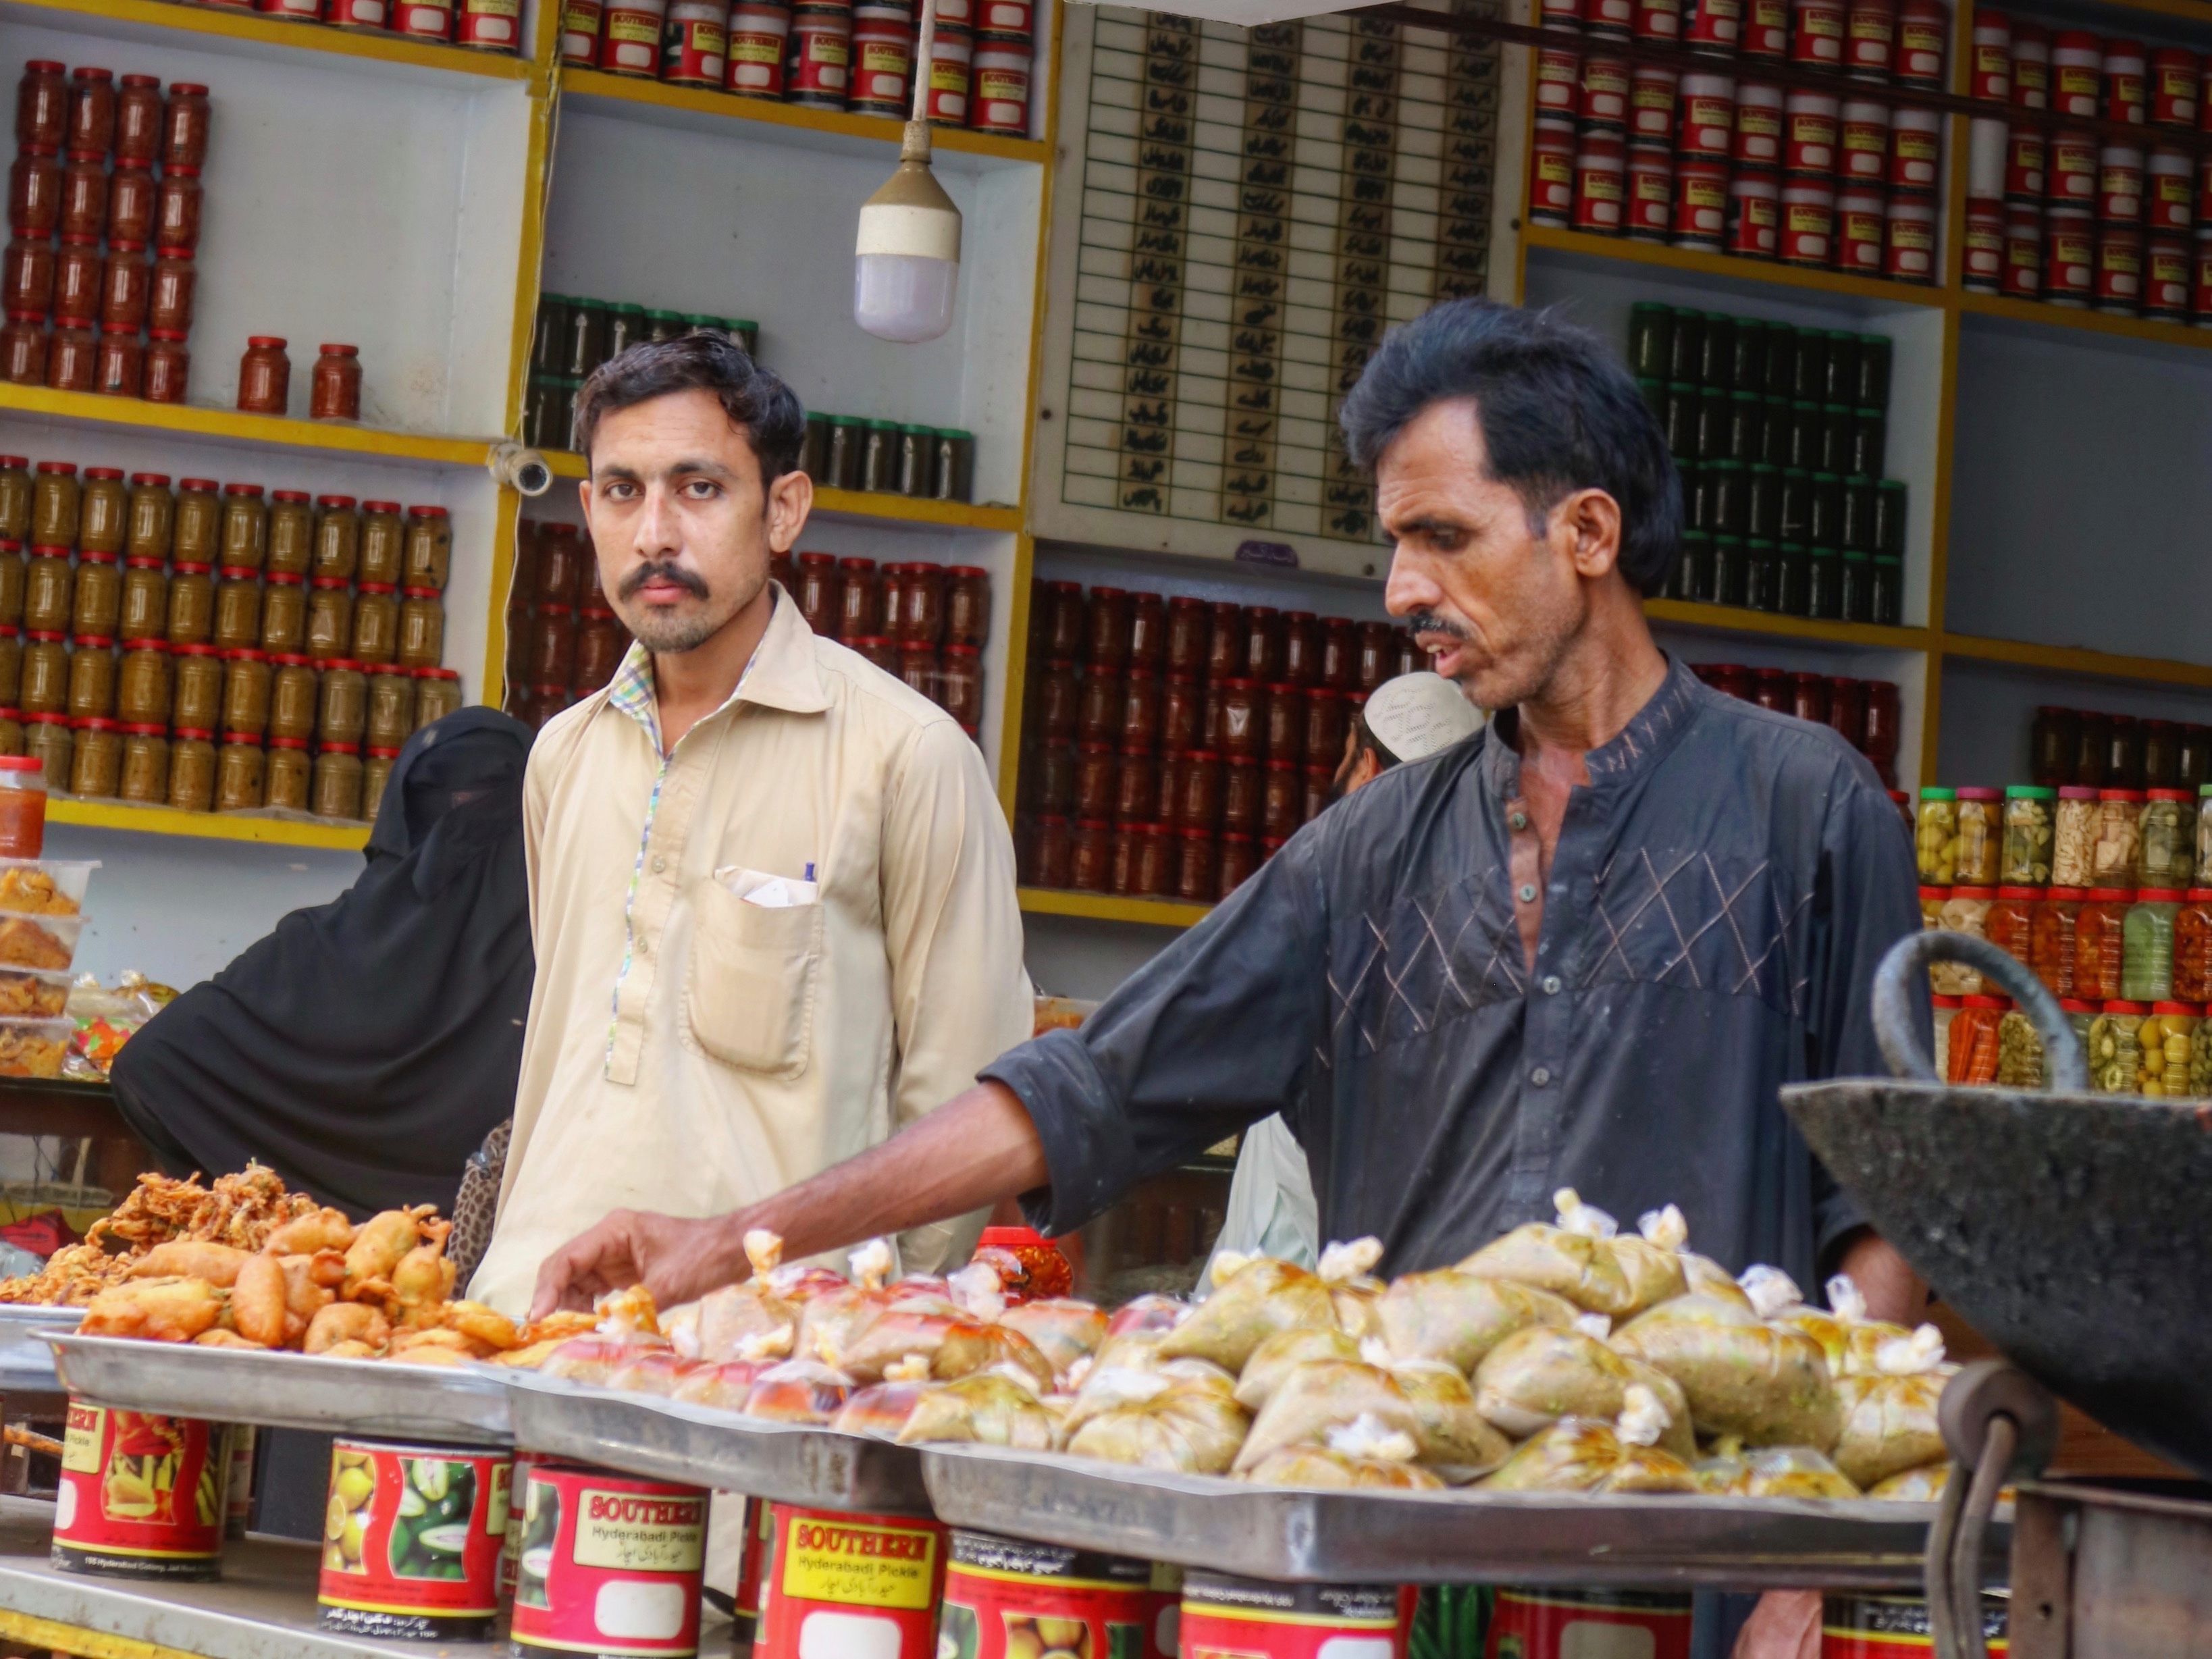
[
  {"x": 91, "y": 112},
  {"x": 1243, "y": 736},
  {"x": 34, "y": 193},
  {"x": 1194, "y": 790},
  {"x": 1323, "y": 740},
  {"x": 23, "y": 346},
  {"x": 1098, "y": 780},
  {"x": 1284, "y": 733},
  {"x": 1188, "y": 625},
  {"x": 1154, "y": 855},
  {"x": 120, "y": 369},
  {"x": 1300, "y": 637},
  {"x": 561, "y": 559},
  {"x": 334, "y": 389},
  {"x": 2098, "y": 942},
  {"x": 2051, "y": 938},
  {"x": 1263, "y": 644},
  {"x": 820, "y": 596},
  {"x": 2012, "y": 922},
  {"x": 26, "y": 276},
  {"x": 1108, "y": 645},
  {"x": 1376, "y": 654},
  {"x": 1136, "y": 786},
  {"x": 1091, "y": 863},
  {"x": 1182, "y": 705},
  {"x": 1239, "y": 858},
  {"x": 142, "y": 684},
  {"x": 177, "y": 209},
  {"x": 43, "y": 680},
  {"x": 1054, "y": 843},
  {"x": 73, "y": 360},
  {"x": 92, "y": 679},
  {"x": 2192, "y": 946},
  {"x": 1147, "y": 633},
  {"x": 1098, "y": 708},
  {"x": 1320, "y": 790},
  {"x": 138, "y": 117},
  {"x": 1141, "y": 712},
  {"x": 1282, "y": 800},
  {"x": 858, "y": 603},
  {"x": 1195, "y": 866},
  {"x": 169, "y": 303},
  {"x": 601, "y": 642},
  {"x": 1225, "y": 642},
  {"x": 42, "y": 101},
  {"x": 184, "y": 126},
  {"x": 80, "y": 273},
  {"x": 552, "y": 644},
  {"x": 196, "y": 685},
  {"x": 960, "y": 686},
  {"x": 84, "y": 197},
  {"x": 1067, "y": 620},
  {"x": 1240, "y": 797},
  {"x": 1338, "y": 655},
  {"x": 126, "y": 288},
  {"x": 921, "y": 606},
  {"x": 167, "y": 364},
  {"x": 1050, "y": 776},
  {"x": 133, "y": 207},
  {"x": 264, "y": 376},
  {"x": 1057, "y": 694}
]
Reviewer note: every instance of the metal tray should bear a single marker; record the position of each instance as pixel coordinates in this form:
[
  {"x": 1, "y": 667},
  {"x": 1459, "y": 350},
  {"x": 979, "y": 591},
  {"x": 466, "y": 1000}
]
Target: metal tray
[
  {"x": 1298, "y": 1536},
  {"x": 27, "y": 1364},
  {"x": 464, "y": 1406},
  {"x": 671, "y": 1440}
]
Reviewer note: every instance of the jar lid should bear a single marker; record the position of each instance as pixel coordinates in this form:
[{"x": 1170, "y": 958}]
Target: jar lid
[
  {"x": 259, "y": 341},
  {"x": 2167, "y": 794},
  {"x": 380, "y": 507},
  {"x": 374, "y": 753},
  {"x": 89, "y": 72},
  {"x": 327, "y": 581},
  {"x": 103, "y": 472},
  {"x": 2069, "y": 894},
  {"x": 856, "y": 564},
  {"x": 1980, "y": 1001},
  {"x": 954, "y": 432},
  {"x": 1981, "y": 795},
  {"x": 2119, "y": 794},
  {"x": 339, "y": 350},
  {"x": 192, "y": 567},
  {"x": 431, "y": 511},
  {"x": 1928, "y": 892},
  {"x": 2071, "y": 1004},
  {"x": 978, "y": 570},
  {"x": 334, "y": 502},
  {"x": 1932, "y": 792},
  {"x": 411, "y": 592},
  {"x": 55, "y": 637},
  {"x": 1984, "y": 894},
  {"x": 46, "y": 719},
  {"x": 207, "y": 485},
  {"x": 48, "y": 550},
  {"x": 144, "y": 645},
  {"x": 346, "y": 663},
  {"x": 2116, "y": 1006},
  {"x": 95, "y": 555},
  {"x": 43, "y": 66},
  {"x": 242, "y": 489},
  {"x": 287, "y": 496},
  {"x": 2029, "y": 792},
  {"x": 288, "y": 578},
  {"x": 2109, "y": 895},
  {"x": 962, "y": 651},
  {"x": 194, "y": 732},
  {"x": 98, "y": 723},
  {"x": 19, "y": 762},
  {"x": 58, "y": 469},
  {"x": 155, "y": 480},
  {"x": 2020, "y": 892},
  {"x": 400, "y": 669},
  {"x": 147, "y": 731},
  {"x": 240, "y": 573},
  {"x": 245, "y": 738},
  {"x": 815, "y": 559},
  {"x": 243, "y": 654},
  {"x": 437, "y": 673},
  {"x": 288, "y": 742},
  {"x": 551, "y": 610},
  {"x": 390, "y": 588},
  {"x": 2083, "y": 792},
  {"x": 2157, "y": 895},
  {"x": 2193, "y": 1010}
]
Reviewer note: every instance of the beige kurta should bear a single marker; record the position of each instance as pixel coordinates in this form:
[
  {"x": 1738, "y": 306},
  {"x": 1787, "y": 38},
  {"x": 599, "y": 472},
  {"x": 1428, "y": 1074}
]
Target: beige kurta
[{"x": 691, "y": 1052}]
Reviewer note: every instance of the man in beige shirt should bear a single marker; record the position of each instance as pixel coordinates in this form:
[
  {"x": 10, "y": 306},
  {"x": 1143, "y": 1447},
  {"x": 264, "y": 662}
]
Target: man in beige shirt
[{"x": 771, "y": 890}]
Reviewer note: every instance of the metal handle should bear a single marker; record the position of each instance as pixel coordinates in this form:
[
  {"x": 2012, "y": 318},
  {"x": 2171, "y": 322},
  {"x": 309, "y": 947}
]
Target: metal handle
[
  {"x": 1898, "y": 988},
  {"x": 1999, "y": 1424}
]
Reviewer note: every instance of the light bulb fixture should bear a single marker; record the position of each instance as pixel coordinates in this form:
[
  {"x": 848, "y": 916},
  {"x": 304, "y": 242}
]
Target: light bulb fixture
[{"x": 905, "y": 259}]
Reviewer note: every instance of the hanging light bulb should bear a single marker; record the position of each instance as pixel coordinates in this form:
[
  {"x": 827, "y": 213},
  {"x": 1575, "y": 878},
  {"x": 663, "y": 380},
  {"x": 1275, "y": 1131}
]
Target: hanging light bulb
[{"x": 906, "y": 260}]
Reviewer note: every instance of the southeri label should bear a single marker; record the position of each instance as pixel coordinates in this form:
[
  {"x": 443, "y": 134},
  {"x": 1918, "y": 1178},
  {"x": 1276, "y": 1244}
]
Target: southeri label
[
  {"x": 632, "y": 1533},
  {"x": 862, "y": 1565}
]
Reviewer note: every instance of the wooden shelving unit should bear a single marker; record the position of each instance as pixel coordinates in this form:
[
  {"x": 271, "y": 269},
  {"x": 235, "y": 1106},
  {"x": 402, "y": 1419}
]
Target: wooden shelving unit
[
  {"x": 1105, "y": 907},
  {"x": 141, "y": 20},
  {"x": 207, "y": 826},
  {"x": 230, "y": 427}
]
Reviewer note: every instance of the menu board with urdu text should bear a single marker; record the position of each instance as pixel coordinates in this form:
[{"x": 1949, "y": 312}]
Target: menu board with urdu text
[{"x": 1239, "y": 216}]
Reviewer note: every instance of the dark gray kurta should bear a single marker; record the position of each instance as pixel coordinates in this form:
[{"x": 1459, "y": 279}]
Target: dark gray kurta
[{"x": 1720, "y": 893}]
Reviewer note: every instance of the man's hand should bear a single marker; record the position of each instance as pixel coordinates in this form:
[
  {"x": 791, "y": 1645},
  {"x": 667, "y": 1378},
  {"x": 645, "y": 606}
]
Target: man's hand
[
  {"x": 1893, "y": 1291},
  {"x": 678, "y": 1260},
  {"x": 1786, "y": 1625}
]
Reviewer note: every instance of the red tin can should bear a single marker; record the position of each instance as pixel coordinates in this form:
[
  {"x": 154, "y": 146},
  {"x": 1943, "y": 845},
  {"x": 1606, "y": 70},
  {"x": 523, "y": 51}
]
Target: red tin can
[
  {"x": 1224, "y": 1615},
  {"x": 1559, "y": 75},
  {"x": 998, "y": 93},
  {"x": 1757, "y": 124},
  {"x": 1816, "y": 33},
  {"x": 1908, "y": 252},
  {"x": 1983, "y": 269},
  {"x": 423, "y": 19},
  {"x": 2166, "y": 277},
  {"x": 489, "y": 25},
  {"x": 951, "y": 67},
  {"x": 2169, "y": 190},
  {"x": 2026, "y": 157},
  {"x": 411, "y": 1540},
  {"x": 1863, "y": 130},
  {"x": 580, "y": 32},
  {"x": 1713, "y": 25},
  {"x": 2126, "y": 74},
  {"x": 1708, "y": 116},
  {"x": 1870, "y": 39},
  {"x": 1810, "y": 124},
  {"x": 1601, "y": 169},
  {"x": 1553, "y": 1624},
  {"x": 1651, "y": 102},
  {"x": 1613, "y": 18},
  {"x": 1650, "y": 192},
  {"x": 1767, "y": 29},
  {"x": 760, "y": 36},
  {"x": 141, "y": 1496},
  {"x": 2120, "y": 183},
  {"x": 1915, "y": 149},
  {"x": 2119, "y": 268},
  {"x": 819, "y": 67},
  {"x": 1552, "y": 173},
  {"x": 836, "y": 1584},
  {"x": 2073, "y": 176},
  {"x": 2077, "y": 72},
  {"x": 358, "y": 13},
  {"x": 1808, "y": 222},
  {"x": 2031, "y": 65},
  {"x": 1563, "y": 15},
  {"x": 2069, "y": 256},
  {"x": 1861, "y": 214},
  {"x": 1701, "y": 205},
  {"x": 1992, "y": 57},
  {"x": 2174, "y": 81},
  {"x": 2200, "y": 279},
  {"x": 630, "y": 37},
  {"x": 1659, "y": 21},
  {"x": 883, "y": 61},
  {"x": 2023, "y": 251},
  {"x": 1754, "y": 214},
  {"x": 1603, "y": 99},
  {"x": 1922, "y": 26},
  {"x": 610, "y": 1564},
  {"x": 694, "y": 44},
  {"x": 1004, "y": 1598}
]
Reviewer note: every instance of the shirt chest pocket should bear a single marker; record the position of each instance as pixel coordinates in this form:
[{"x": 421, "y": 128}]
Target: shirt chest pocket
[{"x": 750, "y": 997}]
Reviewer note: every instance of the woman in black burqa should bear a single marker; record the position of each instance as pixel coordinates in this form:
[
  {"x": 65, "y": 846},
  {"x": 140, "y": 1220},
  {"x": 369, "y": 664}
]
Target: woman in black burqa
[{"x": 366, "y": 1048}]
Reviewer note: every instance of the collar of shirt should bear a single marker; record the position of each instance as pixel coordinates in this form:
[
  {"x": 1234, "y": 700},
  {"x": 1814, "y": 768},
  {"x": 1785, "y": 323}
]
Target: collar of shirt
[
  {"x": 1640, "y": 745},
  {"x": 781, "y": 674}
]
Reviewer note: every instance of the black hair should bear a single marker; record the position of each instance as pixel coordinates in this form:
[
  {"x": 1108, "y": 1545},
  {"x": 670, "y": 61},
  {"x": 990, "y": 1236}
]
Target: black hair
[
  {"x": 1559, "y": 413},
  {"x": 705, "y": 359},
  {"x": 1364, "y": 737}
]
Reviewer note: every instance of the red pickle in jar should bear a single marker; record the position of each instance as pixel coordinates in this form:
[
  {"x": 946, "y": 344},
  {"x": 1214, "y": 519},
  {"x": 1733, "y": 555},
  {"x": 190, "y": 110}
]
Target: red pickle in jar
[
  {"x": 80, "y": 273},
  {"x": 177, "y": 209},
  {"x": 1147, "y": 633},
  {"x": 1224, "y": 642},
  {"x": 167, "y": 365},
  {"x": 184, "y": 126},
  {"x": 84, "y": 197},
  {"x": 264, "y": 376},
  {"x": 26, "y": 277},
  {"x": 42, "y": 100},
  {"x": 1108, "y": 647},
  {"x": 967, "y": 605},
  {"x": 138, "y": 115},
  {"x": 169, "y": 305},
  {"x": 73, "y": 360},
  {"x": 126, "y": 288},
  {"x": 334, "y": 390},
  {"x": 34, "y": 194},
  {"x": 91, "y": 112},
  {"x": 1099, "y": 704},
  {"x": 1136, "y": 787}
]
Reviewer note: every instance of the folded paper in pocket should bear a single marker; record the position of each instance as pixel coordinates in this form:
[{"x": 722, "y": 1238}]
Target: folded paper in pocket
[{"x": 770, "y": 893}]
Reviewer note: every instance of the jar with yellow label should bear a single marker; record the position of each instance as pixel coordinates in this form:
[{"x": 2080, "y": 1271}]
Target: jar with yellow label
[
  {"x": 294, "y": 691},
  {"x": 375, "y": 773},
  {"x": 245, "y": 692},
  {"x": 48, "y": 594},
  {"x": 240, "y": 774},
  {"x": 383, "y": 558},
  {"x": 191, "y": 770},
  {"x": 422, "y": 629},
  {"x": 244, "y": 527},
  {"x": 97, "y": 606},
  {"x": 196, "y": 702},
  {"x": 343, "y": 717},
  {"x": 96, "y": 759},
  {"x": 238, "y": 610},
  {"x": 145, "y": 765},
  {"x": 191, "y": 605},
  {"x": 197, "y": 537},
  {"x": 429, "y": 549},
  {"x": 286, "y": 777},
  {"x": 291, "y": 533},
  {"x": 91, "y": 679},
  {"x": 142, "y": 611},
  {"x": 437, "y": 694},
  {"x": 337, "y": 783},
  {"x": 14, "y": 497},
  {"x": 284, "y": 614},
  {"x": 54, "y": 496},
  {"x": 337, "y": 539},
  {"x": 391, "y": 706},
  {"x": 153, "y": 518},
  {"x": 103, "y": 511},
  {"x": 11, "y": 666},
  {"x": 141, "y": 684},
  {"x": 45, "y": 688},
  {"x": 46, "y": 738},
  {"x": 376, "y": 623},
  {"x": 14, "y": 577}
]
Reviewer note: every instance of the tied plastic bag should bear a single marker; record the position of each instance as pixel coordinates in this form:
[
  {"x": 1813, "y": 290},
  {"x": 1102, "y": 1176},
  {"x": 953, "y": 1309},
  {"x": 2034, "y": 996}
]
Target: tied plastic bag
[
  {"x": 1283, "y": 1353},
  {"x": 1538, "y": 1376},
  {"x": 988, "y": 1409},
  {"x": 1458, "y": 1317},
  {"x": 751, "y": 1321},
  {"x": 1451, "y": 1437},
  {"x": 1352, "y": 1289},
  {"x": 1060, "y": 1329},
  {"x": 954, "y": 1347},
  {"x": 1177, "y": 1420},
  {"x": 882, "y": 1409},
  {"x": 1322, "y": 1394},
  {"x": 1253, "y": 1299},
  {"x": 1362, "y": 1453},
  {"x": 1586, "y": 1258},
  {"x": 1650, "y": 1258},
  {"x": 1150, "y": 1312},
  {"x": 1845, "y": 1332},
  {"x": 1766, "y": 1383},
  {"x": 105, "y": 1018},
  {"x": 1889, "y": 1423},
  {"x": 1579, "y": 1454},
  {"x": 1922, "y": 1486},
  {"x": 1771, "y": 1472}
]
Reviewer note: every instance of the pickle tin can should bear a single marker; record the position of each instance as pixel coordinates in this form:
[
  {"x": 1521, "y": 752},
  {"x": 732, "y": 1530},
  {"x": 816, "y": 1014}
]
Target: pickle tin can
[
  {"x": 1895, "y": 1627},
  {"x": 1650, "y": 206},
  {"x": 2166, "y": 277},
  {"x": 760, "y": 34},
  {"x": 695, "y": 43},
  {"x": 358, "y": 15},
  {"x": 1231, "y": 1617},
  {"x": 998, "y": 91},
  {"x": 237, "y": 1506},
  {"x": 140, "y": 1495},
  {"x": 580, "y": 32},
  {"x": 819, "y": 65},
  {"x": 1559, "y": 1624},
  {"x": 424, "y": 20},
  {"x": 489, "y": 25},
  {"x": 745, "y": 1605},
  {"x": 833, "y": 1582},
  {"x": 510, "y": 1551},
  {"x": 1701, "y": 205},
  {"x": 1010, "y": 1600},
  {"x": 411, "y": 1540},
  {"x": 952, "y": 58},
  {"x": 610, "y": 1564},
  {"x": 1754, "y": 214},
  {"x": 630, "y": 37},
  {"x": 1164, "y": 1613}
]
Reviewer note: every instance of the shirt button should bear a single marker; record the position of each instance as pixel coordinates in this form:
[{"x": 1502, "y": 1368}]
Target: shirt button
[
  {"x": 1527, "y": 895},
  {"x": 659, "y": 865},
  {"x": 1551, "y": 985},
  {"x": 1540, "y": 1076},
  {"x": 1520, "y": 820}
]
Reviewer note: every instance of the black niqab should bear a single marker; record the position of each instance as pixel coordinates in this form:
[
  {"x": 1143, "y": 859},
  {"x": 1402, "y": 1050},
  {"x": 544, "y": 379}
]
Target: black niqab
[{"x": 365, "y": 1048}]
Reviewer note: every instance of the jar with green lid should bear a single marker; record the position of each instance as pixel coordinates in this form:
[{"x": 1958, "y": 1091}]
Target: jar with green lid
[
  {"x": 376, "y": 623},
  {"x": 422, "y": 629},
  {"x": 330, "y": 619},
  {"x": 142, "y": 611},
  {"x": 14, "y": 576},
  {"x": 2027, "y": 835},
  {"x": 294, "y": 689},
  {"x": 390, "y": 707},
  {"x": 145, "y": 765},
  {"x": 337, "y": 539},
  {"x": 383, "y": 543},
  {"x": 46, "y": 738},
  {"x": 2164, "y": 1041},
  {"x": 337, "y": 783},
  {"x": 96, "y": 759},
  {"x": 342, "y": 715},
  {"x": 49, "y": 592},
  {"x": 847, "y": 435},
  {"x": 196, "y": 699},
  {"x": 286, "y": 773},
  {"x": 45, "y": 688},
  {"x": 1937, "y": 836},
  {"x": 375, "y": 773},
  {"x": 879, "y": 456},
  {"x": 284, "y": 614},
  {"x": 191, "y": 770},
  {"x": 1981, "y": 835},
  {"x": 2020, "y": 1052},
  {"x": 2165, "y": 854},
  {"x": 152, "y": 517},
  {"x": 96, "y": 603},
  {"x": 429, "y": 549},
  {"x": 291, "y": 533},
  {"x": 437, "y": 694},
  {"x": 2146, "y": 946},
  {"x": 245, "y": 543},
  {"x": 11, "y": 667},
  {"x": 245, "y": 692},
  {"x": 625, "y": 327},
  {"x": 192, "y": 605},
  {"x": 91, "y": 679},
  {"x": 54, "y": 499},
  {"x": 955, "y": 479},
  {"x": 917, "y": 459},
  {"x": 142, "y": 691},
  {"x": 658, "y": 326},
  {"x": 240, "y": 774},
  {"x": 197, "y": 536},
  {"x": 14, "y": 498},
  {"x": 2115, "y": 1048},
  {"x": 238, "y": 610},
  {"x": 103, "y": 511}
]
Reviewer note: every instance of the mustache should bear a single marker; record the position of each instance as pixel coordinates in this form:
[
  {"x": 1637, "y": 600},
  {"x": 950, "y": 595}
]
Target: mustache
[
  {"x": 662, "y": 570},
  {"x": 1427, "y": 622}
]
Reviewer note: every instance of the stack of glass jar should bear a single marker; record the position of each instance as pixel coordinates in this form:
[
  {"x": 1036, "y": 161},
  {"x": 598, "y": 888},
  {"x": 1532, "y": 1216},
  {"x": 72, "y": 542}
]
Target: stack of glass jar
[
  {"x": 855, "y": 55},
  {"x": 563, "y": 640},
  {"x": 575, "y": 336},
  {"x": 1709, "y": 147},
  {"x": 1780, "y": 434},
  {"x": 2105, "y": 894},
  {"x": 482, "y": 25},
  {"x": 70, "y": 126},
  {"x": 216, "y": 647},
  {"x": 924, "y": 623},
  {"x": 2081, "y": 746},
  {"x": 1168, "y": 745},
  {"x": 890, "y": 458},
  {"x": 1864, "y": 713},
  {"x": 2079, "y": 216}
]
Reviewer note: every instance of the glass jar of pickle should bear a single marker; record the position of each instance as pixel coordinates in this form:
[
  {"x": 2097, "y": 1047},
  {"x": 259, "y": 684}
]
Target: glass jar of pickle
[
  {"x": 2051, "y": 938},
  {"x": 294, "y": 689},
  {"x": 375, "y": 773},
  {"x": 141, "y": 684},
  {"x": 391, "y": 706},
  {"x": 48, "y": 593},
  {"x": 2028, "y": 811},
  {"x": 11, "y": 730},
  {"x": 45, "y": 686},
  {"x": 145, "y": 765},
  {"x": 422, "y": 628},
  {"x": 244, "y": 527},
  {"x": 240, "y": 774},
  {"x": 238, "y": 610},
  {"x": 152, "y": 517},
  {"x": 191, "y": 770},
  {"x": 2200, "y": 1061},
  {"x": 196, "y": 537},
  {"x": 196, "y": 697},
  {"x": 2165, "y": 855},
  {"x": 291, "y": 534},
  {"x": 2192, "y": 946},
  {"x": 2163, "y": 1040},
  {"x": 103, "y": 511},
  {"x": 2146, "y": 946},
  {"x": 284, "y": 614},
  {"x": 2100, "y": 943},
  {"x": 2114, "y": 854},
  {"x": 428, "y": 553},
  {"x": 437, "y": 694},
  {"x": 96, "y": 759},
  {"x": 142, "y": 611},
  {"x": 1966, "y": 910},
  {"x": 285, "y": 776},
  {"x": 376, "y": 623},
  {"x": 2020, "y": 1052},
  {"x": 246, "y": 686},
  {"x": 1932, "y": 906},
  {"x": 1946, "y": 1014},
  {"x": 54, "y": 497},
  {"x": 191, "y": 607},
  {"x": 337, "y": 783},
  {"x": 337, "y": 539},
  {"x": 14, "y": 497},
  {"x": 11, "y": 667},
  {"x": 91, "y": 679},
  {"x": 2115, "y": 1048},
  {"x": 14, "y": 576},
  {"x": 46, "y": 738},
  {"x": 383, "y": 544},
  {"x": 1973, "y": 1049},
  {"x": 330, "y": 619},
  {"x": 96, "y": 605},
  {"x": 342, "y": 716},
  {"x": 1981, "y": 837},
  {"x": 2012, "y": 920}
]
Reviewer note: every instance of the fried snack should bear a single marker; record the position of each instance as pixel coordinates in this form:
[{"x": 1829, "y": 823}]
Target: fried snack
[
  {"x": 1458, "y": 1316},
  {"x": 881, "y": 1410},
  {"x": 1766, "y": 1383},
  {"x": 1322, "y": 1394},
  {"x": 380, "y": 1246},
  {"x": 24, "y": 1053},
  {"x": 488, "y": 1330},
  {"x": 26, "y": 996},
  {"x": 799, "y": 1391},
  {"x": 25, "y": 944},
  {"x": 32, "y": 890},
  {"x": 192, "y": 1258},
  {"x": 1060, "y": 1329},
  {"x": 1580, "y": 1455},
  {"x": 1252, "y": 1300},
  {"x": 423, "y": 1281},
  {"x": 1276, "y": 1358},
  {"x": 986, "y": 1409},
  {"x": 219, "y": 1338},
  {"x": 346, "y": 1323},
  {"x": 157, "y": 1310},
  {"x": 1449, "y": 1435},
  {"x": 305, "y": 1235},
  {"x": 258, "y": 1309},
  {"x": 1150, "y": 1312},
  {"x": 1574, "y": 1259}
]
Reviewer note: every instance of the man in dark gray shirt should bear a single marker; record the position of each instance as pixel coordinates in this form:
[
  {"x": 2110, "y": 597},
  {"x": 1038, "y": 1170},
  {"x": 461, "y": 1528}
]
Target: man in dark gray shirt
[{"x": 1582, "y": 949}]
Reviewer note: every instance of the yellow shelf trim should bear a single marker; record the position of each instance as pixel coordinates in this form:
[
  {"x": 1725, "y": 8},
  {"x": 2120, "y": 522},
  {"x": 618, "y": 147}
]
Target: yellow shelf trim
[
  {"x": 226, "y": 25},
  {"x": 1734, "y": 620},
  {"x": 1624, "y": 250},
  {"x": 1106, "y": 907},
  {"x": 2078, "y": 659},
  {"x": 209, "y": 826},
  {"x": 231, "y": 426},
  {"x": 31, "y": 1631}
]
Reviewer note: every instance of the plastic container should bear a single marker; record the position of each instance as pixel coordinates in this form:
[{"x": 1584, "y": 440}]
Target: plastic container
[
  {"x": 2115, "y": 1046},
  {"x": 1981, "y": 837},
  {"x": 1937, "y": 836},
  {"x": 2051, "y": 938},
  {"x": 40, "y": 941},
  {"x": 2167, "y": 832},
  {"x": 2099, "y": 943},
  {"x": 2146, "y": 946}
]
